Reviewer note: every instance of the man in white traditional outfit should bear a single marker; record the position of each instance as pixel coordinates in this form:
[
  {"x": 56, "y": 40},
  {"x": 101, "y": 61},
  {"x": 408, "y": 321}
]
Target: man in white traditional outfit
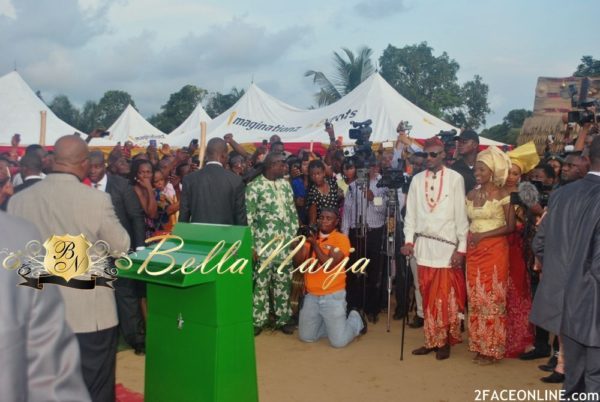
[{"x": 435, "y": 229}]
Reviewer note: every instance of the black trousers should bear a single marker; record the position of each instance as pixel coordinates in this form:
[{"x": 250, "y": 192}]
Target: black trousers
[
  {"x": 131, "y": 321},
  {"x": 582, "y": 367},
  {"x": 98, "y": 362},
  {"x": 359, "y": 286}
]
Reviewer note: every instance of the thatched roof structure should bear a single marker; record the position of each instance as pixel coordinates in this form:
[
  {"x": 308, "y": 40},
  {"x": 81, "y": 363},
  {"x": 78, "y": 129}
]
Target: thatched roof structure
[
  {"x": 538, "y": 128},
  {"x": 551, "y": 103}
]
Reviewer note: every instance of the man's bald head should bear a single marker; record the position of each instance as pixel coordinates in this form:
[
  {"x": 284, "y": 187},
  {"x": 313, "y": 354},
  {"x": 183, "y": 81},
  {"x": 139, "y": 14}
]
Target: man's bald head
[
  {"x": 71, "y": 156},
  {"x": 216, "y": 150}
]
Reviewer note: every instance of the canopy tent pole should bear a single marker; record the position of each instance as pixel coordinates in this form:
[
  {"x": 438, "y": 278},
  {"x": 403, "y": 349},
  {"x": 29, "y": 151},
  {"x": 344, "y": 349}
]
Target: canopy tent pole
[
  {"x": 43, "y": 127},
  {"x": 202, "y": 149}
]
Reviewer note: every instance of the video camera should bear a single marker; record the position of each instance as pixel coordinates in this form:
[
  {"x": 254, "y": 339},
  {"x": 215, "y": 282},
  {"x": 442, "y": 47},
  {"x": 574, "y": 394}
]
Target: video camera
[
  {"x": 394, "y": 179},
  {"x": 360, "y": 133},
  {"x": 447, "y": 137},
  {"x": 307, "y": 230},
  {"x": 531, "y": 193},
  {"x": 582, "y": 113}
]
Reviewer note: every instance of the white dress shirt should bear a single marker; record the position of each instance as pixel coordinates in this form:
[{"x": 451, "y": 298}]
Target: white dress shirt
[
  {"x": 446, "y": 219},
  {"x": 355, "y": 201},
  {"x": 101, "y": 185}
]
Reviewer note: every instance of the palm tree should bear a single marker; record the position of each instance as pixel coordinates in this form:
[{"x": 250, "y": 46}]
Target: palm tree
[{"x": 348, "y": 75}]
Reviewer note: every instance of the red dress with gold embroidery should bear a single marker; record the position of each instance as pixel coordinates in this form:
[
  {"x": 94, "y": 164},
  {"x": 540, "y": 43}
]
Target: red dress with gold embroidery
[{"x": 487, "y": 280}]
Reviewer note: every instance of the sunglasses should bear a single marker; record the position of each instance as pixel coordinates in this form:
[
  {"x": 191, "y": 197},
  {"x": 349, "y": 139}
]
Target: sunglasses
[{"x": 433, "y": 154}]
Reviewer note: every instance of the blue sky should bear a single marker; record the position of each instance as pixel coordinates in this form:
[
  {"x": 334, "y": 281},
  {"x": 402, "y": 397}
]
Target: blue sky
[{"x": 152, "y": 48}]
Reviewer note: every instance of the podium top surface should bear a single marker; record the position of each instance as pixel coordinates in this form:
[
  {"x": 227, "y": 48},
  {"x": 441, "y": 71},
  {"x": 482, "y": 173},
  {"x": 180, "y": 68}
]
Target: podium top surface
[{"x": 188, "y": 247}]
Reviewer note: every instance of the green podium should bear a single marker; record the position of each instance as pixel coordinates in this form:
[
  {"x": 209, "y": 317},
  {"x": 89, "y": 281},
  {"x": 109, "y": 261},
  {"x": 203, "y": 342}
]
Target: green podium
[{"x": 199, "y": 332}]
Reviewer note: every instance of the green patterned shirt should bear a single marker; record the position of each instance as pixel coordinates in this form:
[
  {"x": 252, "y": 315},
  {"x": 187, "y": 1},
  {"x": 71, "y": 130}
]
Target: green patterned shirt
[{"x": 271, "y": 212}]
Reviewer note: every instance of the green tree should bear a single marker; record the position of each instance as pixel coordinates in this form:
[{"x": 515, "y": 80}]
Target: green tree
[
  {"x": 428, "y": 81},
  {"x": 508, "y": 131},
  {"x": 349, "y": 73},
  {"x": 516, "y": 117},
  {"x": 219, "y": 103},
  {"x": 178, "y": 108},
  {"x": 88, "y": 117},
  {"x": 110, "y": 107},
  {"x": 431, "y": 83},
  {"x": 471, "y": 113},
  {"x": 64, "y": 109},
  {"x": 589, "y": 67}
]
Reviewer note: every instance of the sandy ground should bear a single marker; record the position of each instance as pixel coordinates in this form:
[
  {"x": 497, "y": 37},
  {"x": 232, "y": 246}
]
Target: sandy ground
[{"x": 366, "y": 370}]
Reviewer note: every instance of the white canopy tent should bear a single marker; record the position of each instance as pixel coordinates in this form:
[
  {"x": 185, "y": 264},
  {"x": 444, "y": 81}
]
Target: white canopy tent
[
  {"x": 257, "y": 115},
  {"x": 193, "y": 121},
  {"x": 130, "y": 126},
  {"x": 20, "y": 113}
]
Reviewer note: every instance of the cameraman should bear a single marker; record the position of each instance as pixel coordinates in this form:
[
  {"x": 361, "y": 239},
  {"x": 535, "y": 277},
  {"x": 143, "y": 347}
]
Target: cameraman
[
  {"x": 543, "y": 178},
  {"x": 365, "y": 208},
  {"x": 323, "y": 313}
]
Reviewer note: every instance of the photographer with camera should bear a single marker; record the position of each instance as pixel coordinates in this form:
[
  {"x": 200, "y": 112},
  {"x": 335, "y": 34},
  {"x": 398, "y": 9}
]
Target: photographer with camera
[
  {"x": 363, "y": 221},
  {"x": 404, "y": 146},
  {"x": 533, "y": 198},
  {"x": 542, "y": 177},
  {"x": 323, "y": 313}
]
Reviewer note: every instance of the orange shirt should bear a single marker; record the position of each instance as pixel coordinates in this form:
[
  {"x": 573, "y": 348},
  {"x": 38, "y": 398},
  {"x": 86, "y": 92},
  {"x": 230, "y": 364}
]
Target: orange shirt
[{"x": 314, "y": 281}]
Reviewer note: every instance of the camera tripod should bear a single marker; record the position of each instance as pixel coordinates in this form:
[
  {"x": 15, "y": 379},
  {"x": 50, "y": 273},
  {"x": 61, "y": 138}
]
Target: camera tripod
[
  {"x": 390, "y": 252},
  {"x": 361, "y": 188}
]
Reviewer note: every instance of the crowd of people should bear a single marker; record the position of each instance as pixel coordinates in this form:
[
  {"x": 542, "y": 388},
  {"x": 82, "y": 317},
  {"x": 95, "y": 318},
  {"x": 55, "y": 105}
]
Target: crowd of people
[{"x": 472, "y": 233}]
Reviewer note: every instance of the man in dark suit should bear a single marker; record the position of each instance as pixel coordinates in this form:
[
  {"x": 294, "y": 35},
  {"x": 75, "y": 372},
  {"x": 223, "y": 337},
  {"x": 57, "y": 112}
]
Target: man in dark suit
[
  {"x": 213, "y": 194},
  {"x": 468, "y": 148},
  {"x": 31, "y": 171},
  {"x": 129, "y": 212},
  {"x": 567, "y": 299}
]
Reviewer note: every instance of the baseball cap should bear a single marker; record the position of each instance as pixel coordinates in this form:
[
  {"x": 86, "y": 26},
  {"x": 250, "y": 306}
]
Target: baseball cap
[{"x": 468, "y": 135}]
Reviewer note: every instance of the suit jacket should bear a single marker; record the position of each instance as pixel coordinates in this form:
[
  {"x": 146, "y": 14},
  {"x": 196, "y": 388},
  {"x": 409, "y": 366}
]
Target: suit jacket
[
  {"x": 466, "y": 172},
  {"x": 37, "y": 348},
  {"x": 128, "y": 208},
  {"x": 213, "y": 195},
  {"x": 568, "y": 244},
  {"x": 26, "y": 184},
  {"x": 60, "y": 204}
]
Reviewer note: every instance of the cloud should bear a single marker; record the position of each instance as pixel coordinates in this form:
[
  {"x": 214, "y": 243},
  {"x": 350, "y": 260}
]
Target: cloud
[
  {"x": 380, "y": 8},
  {"x": 80, "y": 48},
  {"x": 7, "y": 9},
  {"x": 61, "y": 22},
  {"x": 234, "y": 47}
]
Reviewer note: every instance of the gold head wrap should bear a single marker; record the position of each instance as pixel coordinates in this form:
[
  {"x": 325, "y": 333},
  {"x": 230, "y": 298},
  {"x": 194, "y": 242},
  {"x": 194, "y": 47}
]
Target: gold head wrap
[
  {"x": 525, "y": 157},
  {"x": 498, "y": 162}
]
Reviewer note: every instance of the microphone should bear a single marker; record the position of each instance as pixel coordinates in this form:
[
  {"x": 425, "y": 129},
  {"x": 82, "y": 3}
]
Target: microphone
[{"x": 528, "y": 194}]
